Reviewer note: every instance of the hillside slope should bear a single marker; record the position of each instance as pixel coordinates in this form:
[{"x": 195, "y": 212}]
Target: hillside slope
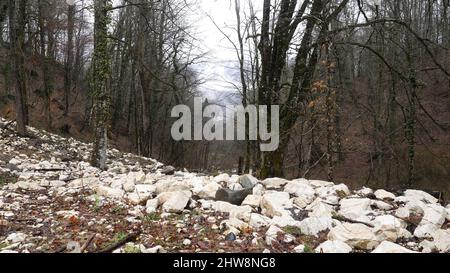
[{"x": 52, "y": 200}]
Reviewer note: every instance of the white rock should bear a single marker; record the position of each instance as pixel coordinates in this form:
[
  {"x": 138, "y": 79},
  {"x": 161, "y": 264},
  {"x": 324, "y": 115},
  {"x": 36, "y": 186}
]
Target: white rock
[
  {"x": 442, "y": 240},
  {"x": 187, "y": 242},
  {"x": 389, "y": 228},
  {"x": 137, "y": 198},
  {"x": 144, "y": 188},
  {"x": 275, "y": 203},
  {"x": 272, "y": 234},
  {"x": 314, "y": 225},
  {"x": 224, "y": 177},
  {"x": 301, "y": 202},
  {"x": 259, "y": 190},
  {"x": 381, "y": 205},
  {"x": 110, "y": 192},
  {"x": 425, "y": 231},
  {"x": 258, "y": 221},
  {"x": 136, "y": 177},
  {"x": 434, "y": 214},
  {"x": 177, "y": 202},
  {"x": 274, "y": 183},
  {"x": 356, "y": 209},
  {"x": 384, "y": 195},
  {"x": 299, "y": 249},
  {"x": 252, "y": 201},
  {"x": 171, "y": 186},
  {"x": 320, "y": 184},
  {"x": 319, "y": 209},
  {"x": 420, "y": 196},
  {"x": 247, "y": 181},
  {"x": 356, "y": 235},
  {"x": 300, "y": 189},
  {"x": 333, "y": 247},
  {"x": 240, "y": 212},
  {"x": 285, "y": 220},
  {"x": 409, "y": 210},
  {"x": 129, "y": 186},
  {"x": 427, "y": 246},
  {"x": 342, "y": 190},
  {"x": 389, "y": 247},
  {"x": 151, "y": 206},
  {"x": 14, "y": 164},
  {"x": 364, "y": 192},
  {"x": 234, "y": 223},
  {"x": 209, "y": 191},
  {"x": 153, "y": 250},
  {"x": 15, "y": 238}
]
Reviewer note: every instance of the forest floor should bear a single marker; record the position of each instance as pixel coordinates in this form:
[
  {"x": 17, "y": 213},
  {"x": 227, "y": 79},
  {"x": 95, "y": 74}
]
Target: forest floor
[{"x": 52, "y": 200}]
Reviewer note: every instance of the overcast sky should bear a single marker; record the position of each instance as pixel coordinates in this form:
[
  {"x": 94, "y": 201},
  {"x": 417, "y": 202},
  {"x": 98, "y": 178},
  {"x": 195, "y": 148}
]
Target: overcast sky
[{"x": 220, "y": 67}]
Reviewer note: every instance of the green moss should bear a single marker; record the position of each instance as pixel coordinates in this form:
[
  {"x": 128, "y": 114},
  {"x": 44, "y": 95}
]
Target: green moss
[{"x": 296, "y": 231}]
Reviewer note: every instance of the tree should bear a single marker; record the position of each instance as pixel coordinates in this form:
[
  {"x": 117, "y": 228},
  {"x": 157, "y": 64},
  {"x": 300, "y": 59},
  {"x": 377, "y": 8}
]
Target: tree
[
  {"x": 17, "y": 21},
  {"x": 100, "y": 76}
]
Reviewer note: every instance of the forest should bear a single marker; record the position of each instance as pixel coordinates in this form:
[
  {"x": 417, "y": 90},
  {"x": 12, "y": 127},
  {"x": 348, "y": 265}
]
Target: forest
[{"x": 363, "y": 86}]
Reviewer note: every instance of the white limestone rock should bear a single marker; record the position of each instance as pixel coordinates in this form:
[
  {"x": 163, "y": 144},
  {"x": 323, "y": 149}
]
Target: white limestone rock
[
  {"x": 384, "y": 195},
  {"x": 275, "y": 203},
  {"x": 358, "y": 236},
  {"x": 252, "y": 201},
  {"x": 390, "y": 247},
  {"x": 258, "y": 221},
  {"x": 314, "y": 225},
  {"x": 333, "y": 247},
  {"x": 274, "y": 183},
  {"x": 272, "y": 234},
  {"x": 442, "y": 240},
  {"x": 177, "y": 202},
  {"x": 110, "y": 192}
]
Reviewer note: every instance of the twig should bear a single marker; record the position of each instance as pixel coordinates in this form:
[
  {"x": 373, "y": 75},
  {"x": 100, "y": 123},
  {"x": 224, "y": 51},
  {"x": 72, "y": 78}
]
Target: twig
[
  {"x": 50, "y": 170},
  {"x": 345, "y": 219},
  {"x": 111, "y": 248},
  {"x": 88, "y": 242}
]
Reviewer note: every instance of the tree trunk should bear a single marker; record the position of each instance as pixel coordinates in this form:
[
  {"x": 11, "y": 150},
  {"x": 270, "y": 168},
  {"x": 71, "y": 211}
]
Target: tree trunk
[
  {"x": 69, "y": 58},
  {"x": 17, "y": 36},
  {"x": 101, "y": 71}
]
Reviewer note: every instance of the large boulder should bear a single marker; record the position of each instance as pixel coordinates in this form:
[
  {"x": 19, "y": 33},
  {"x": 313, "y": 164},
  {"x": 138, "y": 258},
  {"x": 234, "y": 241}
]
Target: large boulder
[
  {"x": 319, "y": 208},
  {"x": 389, "y": 228},
  {"x": 274, "y": 183},
  {"x": 240, "y": 212},
  {"x": 415, "y": 195},
  {"x": 356, "y": 209},
  {"x": 434, "y": 214},
  {"x": 333, "y": 247},
  {"x": 110, "y": 192},
  {"x": 177, "y": 202},
  {"x": 384, "y": 195},
  {"x": 232, "y": 197},
  {"x": 209, "y": 191},
  {"x": 314, "y": 225},
  {"x": 272, "y": 234},
  {"x": 275, "y": 203},
  {"x": 358, "y": 236},
  {"x": 258, "y": 221},
  {"x": 442, "y": 240},
  {"x": 299, "y": 189},
  {"x": 389, "y": 247},
  {"x": 171, "y": 186},
  {"x": 252, "y": 201},
  {"x": 247, "y": 181}
]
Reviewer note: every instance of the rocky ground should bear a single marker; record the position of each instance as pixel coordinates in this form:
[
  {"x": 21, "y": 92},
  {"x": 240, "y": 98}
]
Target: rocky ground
[{"x": 52, "y": 200}]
